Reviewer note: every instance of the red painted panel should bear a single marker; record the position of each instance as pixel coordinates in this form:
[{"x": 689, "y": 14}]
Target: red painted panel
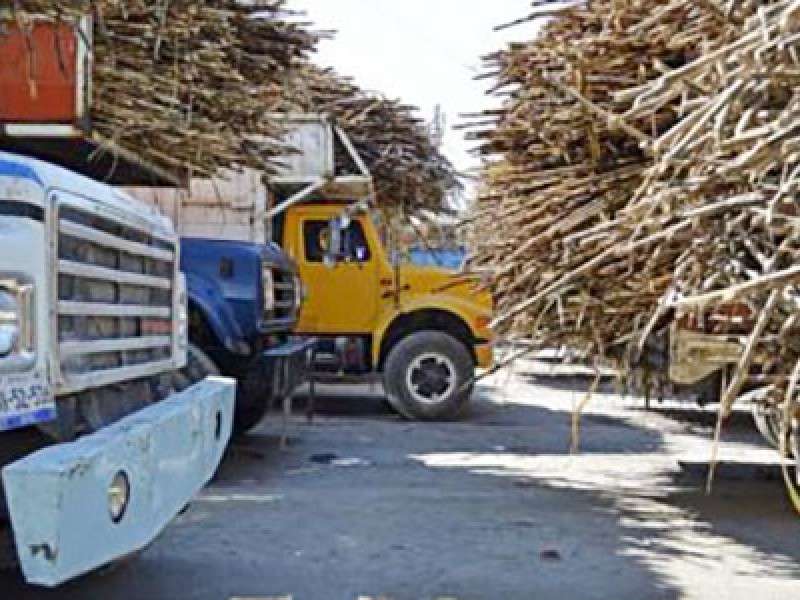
[{"x": 38, "y": 85}]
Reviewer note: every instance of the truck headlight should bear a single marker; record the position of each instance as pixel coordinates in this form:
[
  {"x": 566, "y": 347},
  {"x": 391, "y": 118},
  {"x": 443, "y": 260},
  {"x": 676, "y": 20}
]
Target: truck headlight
[
  {"x": 15, "y": 318},
  {"x": 9, "y": 323},
  {"x": 9, "y": 335},
  {"x": 268, "y": 282}
]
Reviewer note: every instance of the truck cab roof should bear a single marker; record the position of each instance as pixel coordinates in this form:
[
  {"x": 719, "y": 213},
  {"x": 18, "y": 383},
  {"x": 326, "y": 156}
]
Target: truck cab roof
[{"x": 18, "y": 170}]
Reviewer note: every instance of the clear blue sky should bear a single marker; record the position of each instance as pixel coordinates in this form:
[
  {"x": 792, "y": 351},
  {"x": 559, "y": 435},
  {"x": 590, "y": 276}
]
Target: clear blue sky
[{"x": 423, "y": 51}]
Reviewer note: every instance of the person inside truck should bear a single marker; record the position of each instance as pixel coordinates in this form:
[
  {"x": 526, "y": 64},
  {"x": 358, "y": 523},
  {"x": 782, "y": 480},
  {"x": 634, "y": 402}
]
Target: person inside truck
[{"x": 354, "y": 247}]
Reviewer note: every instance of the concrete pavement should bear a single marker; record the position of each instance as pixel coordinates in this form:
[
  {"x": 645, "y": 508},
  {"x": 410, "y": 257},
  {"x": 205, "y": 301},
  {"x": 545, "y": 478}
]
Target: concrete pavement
[{"x": 364, "y": 505}]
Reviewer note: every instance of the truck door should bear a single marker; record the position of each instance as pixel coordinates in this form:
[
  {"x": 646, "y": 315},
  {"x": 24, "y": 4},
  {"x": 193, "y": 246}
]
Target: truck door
[{"x": 342, "y": 298}]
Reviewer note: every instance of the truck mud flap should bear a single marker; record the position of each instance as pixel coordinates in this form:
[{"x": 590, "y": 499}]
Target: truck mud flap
[{"x": 64, "y": 520}]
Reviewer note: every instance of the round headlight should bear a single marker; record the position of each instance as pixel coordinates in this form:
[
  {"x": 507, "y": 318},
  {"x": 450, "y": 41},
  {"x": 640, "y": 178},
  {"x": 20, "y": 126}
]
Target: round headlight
[{"x": 119, "y": 495}]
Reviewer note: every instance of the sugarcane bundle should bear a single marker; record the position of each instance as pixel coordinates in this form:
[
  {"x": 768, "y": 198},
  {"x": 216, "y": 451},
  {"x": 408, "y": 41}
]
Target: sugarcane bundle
[
  {"x": 569, "y": 165},
  {"x": 410, "y": 171},
  {"x": 602, "y": 243},
  {"x": 725, "y": 178},
  {"x": 182, "y": 83},
  {"x": 694, "y": 220}
]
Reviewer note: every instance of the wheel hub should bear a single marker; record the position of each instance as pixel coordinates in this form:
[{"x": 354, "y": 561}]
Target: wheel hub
[{"x": 431, "y": 378}]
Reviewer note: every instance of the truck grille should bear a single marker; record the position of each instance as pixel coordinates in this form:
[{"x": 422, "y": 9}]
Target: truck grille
[
  {"x": 286, "y": 301},
  {"x": 115, "y": 300}
]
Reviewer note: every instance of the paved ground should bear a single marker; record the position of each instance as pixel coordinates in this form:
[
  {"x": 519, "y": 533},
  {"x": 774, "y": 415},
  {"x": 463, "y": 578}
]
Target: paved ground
[{"x": 494, "y": 507}]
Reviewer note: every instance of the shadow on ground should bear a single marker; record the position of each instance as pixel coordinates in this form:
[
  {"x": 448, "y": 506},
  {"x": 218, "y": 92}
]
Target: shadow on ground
[{"x": 491, "y": 507}]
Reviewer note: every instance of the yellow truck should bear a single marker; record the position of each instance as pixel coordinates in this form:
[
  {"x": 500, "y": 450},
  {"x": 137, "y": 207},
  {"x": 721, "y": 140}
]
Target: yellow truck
[{"x": 422, "y": 330}]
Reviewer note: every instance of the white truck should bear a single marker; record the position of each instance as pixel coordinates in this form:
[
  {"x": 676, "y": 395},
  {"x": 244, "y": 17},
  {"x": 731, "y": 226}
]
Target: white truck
[
  {"x": 93, "y": 335},
  {"x": 102, "y": 440}
]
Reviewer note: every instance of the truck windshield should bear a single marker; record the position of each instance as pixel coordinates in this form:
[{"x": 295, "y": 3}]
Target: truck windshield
[{"x": 408, "y": 245}]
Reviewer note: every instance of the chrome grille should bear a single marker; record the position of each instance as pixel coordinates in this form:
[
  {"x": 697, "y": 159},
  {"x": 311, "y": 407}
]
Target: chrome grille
[
  {"x": 286, "y": 301},
  {"x": 115, "y": 291}
]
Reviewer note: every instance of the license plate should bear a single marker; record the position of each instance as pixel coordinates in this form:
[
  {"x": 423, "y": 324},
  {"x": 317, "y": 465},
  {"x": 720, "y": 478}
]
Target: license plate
[{"x": 25, "y": 399}]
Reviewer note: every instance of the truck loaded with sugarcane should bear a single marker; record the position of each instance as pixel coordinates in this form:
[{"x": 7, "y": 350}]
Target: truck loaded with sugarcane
[
  {"x": 645, "y": 209},
  {"x": 108, "y": 428},
  {"x": 360, "y": 163},
  {"x": 422, "y": 331}
]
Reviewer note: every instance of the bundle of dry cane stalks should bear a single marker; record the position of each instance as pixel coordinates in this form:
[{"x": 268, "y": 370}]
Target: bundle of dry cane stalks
[
  {"x": 411, "y": 173},
  {"x": 182, "y": 83},
  {"x": 193, "y": 86},
  {"x": 644, "y": 168}
]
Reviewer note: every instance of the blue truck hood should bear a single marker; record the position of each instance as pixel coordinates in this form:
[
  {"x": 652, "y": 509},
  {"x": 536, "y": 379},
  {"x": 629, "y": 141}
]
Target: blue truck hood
[{"x": 270, "y": 251}]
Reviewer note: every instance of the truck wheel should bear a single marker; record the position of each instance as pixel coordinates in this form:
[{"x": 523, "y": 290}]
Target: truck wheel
[
  {"x": 198, "y": 367},
  {"x": 427, "y": 376},
  {"x": 252, "y": 392},
  {"x": 253, "y": 397}
]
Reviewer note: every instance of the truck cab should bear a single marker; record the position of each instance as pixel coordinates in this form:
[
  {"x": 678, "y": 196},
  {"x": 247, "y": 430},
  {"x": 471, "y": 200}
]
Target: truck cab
[
  {"x": 95, "y": 440},
  {"x": 423, "y": 330}
]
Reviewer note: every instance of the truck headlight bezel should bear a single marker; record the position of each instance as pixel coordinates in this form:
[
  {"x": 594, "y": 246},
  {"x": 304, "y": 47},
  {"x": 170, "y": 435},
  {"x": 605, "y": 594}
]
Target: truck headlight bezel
[{"x": 16, "y": 317}]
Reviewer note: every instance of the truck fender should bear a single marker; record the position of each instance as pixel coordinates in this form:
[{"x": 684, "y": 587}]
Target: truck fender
[
  {"x": 206, "y": 296},
  {"x": 463, "y": 311}
]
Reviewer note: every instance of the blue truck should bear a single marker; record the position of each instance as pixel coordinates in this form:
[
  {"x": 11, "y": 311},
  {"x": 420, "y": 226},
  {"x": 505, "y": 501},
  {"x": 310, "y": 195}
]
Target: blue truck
[
  {"x": 244, "y": 293},
  {"x": 244, "y": 301}
]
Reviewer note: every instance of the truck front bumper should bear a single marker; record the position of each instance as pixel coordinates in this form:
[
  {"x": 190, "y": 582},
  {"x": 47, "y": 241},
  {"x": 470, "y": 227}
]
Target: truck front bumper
[
  {"x": 292, "y": 364},
  {"x": 59, "y": 497}
]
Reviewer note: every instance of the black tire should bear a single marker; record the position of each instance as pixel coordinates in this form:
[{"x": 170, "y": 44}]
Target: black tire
[
  {"x": 253, "y": 397},
  {"x": 428, "y": 376},
  {"x": 198, "y": 367},
  {"x": 253, "y": 391}
]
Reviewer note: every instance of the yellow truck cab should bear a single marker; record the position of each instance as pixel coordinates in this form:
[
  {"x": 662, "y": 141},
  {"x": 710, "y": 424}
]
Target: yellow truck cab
[{"x": 424, "y": 330}]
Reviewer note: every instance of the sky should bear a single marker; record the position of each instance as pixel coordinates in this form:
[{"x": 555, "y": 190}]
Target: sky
[{"x": 426, "y": 52}]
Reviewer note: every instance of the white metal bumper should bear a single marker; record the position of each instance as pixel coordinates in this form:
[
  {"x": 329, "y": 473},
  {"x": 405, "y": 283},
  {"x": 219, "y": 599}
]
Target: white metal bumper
[{"x": 58, "y": 497}]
